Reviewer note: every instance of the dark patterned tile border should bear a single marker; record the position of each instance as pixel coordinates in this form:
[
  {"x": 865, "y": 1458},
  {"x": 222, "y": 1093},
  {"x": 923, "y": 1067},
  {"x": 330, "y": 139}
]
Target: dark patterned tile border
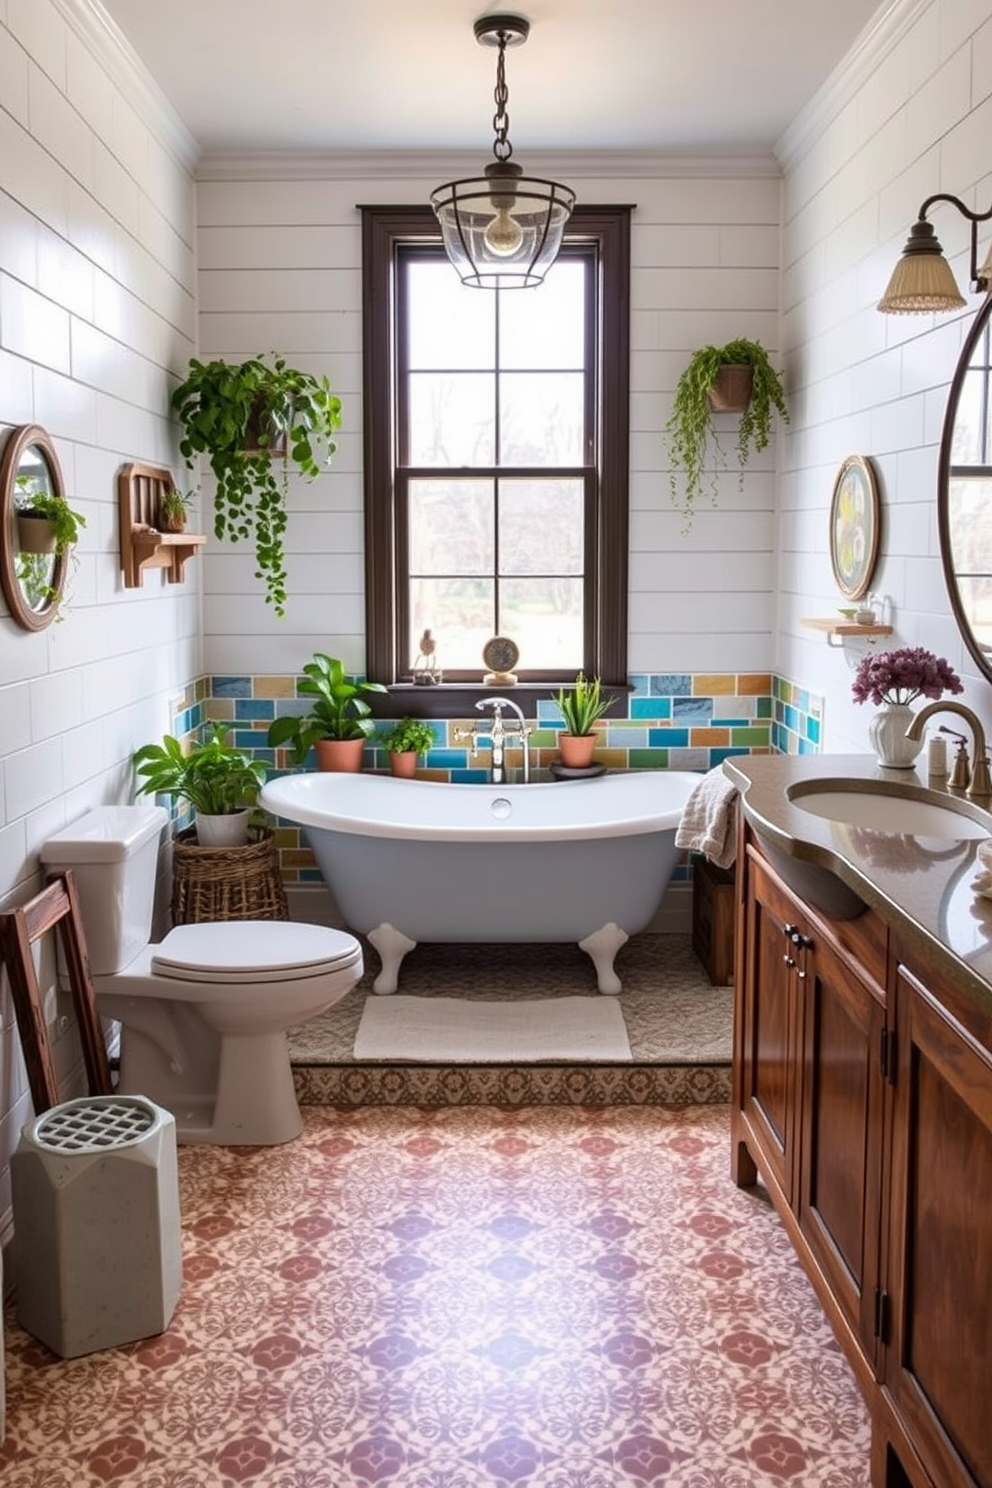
[{"x": 347, "y": 1085}]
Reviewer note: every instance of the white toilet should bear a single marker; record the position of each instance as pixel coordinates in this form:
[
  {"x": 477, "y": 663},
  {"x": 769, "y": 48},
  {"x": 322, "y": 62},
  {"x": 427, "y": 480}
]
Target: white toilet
[{"x": 204, "y": 1013}]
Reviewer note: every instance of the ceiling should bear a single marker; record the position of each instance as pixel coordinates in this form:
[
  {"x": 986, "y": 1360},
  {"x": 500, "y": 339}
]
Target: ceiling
[{"x": 655, "y": 75}]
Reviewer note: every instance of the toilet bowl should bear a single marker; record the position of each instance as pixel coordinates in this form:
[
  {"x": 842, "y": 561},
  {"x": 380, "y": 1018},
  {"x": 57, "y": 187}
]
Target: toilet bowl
[{"x": 204, "y": 1012}]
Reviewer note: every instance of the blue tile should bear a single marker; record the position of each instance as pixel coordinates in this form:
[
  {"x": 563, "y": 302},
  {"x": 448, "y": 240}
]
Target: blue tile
[
  {"x": 671, "y": 738},
  {"x": 731, "y": 722},
  {"x": 655, "y": 707},
  {"x": 449, "y": 759},
  {"x": 717, "y": 756},
  {"x": 469, "y": 777},
  {"x": 813, "y": 730},
  {"x": 230, "y": 687},
  {"x": 624, "y": 737},
  {"x": 261, "y": 708},
  {"x": 639, "y": 683},
  {"x": 697, "y": 710},
  {"x": 671, "y": 684},
  {"x": 792, "y": 720},
  {"x": 805, "y": 747}
]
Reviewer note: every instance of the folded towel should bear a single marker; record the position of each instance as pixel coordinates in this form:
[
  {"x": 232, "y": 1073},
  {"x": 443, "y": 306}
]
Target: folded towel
[
  {"x": 709, "y": 820},
  {"x": 982, "y": 882}
]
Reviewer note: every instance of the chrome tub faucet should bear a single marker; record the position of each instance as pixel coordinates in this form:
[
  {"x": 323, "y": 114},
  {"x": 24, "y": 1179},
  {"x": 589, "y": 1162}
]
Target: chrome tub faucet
[{"x": 498, "y": 732}]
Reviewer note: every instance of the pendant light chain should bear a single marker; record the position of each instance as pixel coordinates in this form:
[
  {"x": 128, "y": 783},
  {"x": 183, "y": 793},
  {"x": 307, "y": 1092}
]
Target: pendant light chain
[{"x": 502, "y": 148}]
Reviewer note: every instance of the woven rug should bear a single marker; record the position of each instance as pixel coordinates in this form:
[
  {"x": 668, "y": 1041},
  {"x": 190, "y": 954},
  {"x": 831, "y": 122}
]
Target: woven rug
[{"x": 459, "y": 1030}]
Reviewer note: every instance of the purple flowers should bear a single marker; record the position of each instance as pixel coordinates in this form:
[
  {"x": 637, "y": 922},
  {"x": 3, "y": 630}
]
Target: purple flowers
[{"x": 902, "y": 676}]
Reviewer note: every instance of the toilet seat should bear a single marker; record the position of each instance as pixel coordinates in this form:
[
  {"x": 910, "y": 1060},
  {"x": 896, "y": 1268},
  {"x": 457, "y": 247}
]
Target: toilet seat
[{"x": 250, "y": 951}]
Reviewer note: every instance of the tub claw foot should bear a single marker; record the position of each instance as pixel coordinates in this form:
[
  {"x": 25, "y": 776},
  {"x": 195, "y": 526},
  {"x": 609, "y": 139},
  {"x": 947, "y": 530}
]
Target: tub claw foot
[
  {"x": 601, "y": 947},
  {"x": 392, "y": 945}
]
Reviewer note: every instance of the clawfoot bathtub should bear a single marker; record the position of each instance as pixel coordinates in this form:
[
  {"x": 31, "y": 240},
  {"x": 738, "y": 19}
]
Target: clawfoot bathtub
[{"x": 410, "y": 860}]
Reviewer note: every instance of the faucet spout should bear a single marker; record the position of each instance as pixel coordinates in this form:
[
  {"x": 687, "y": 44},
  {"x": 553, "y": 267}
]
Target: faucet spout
[
  {"x": 499, "y": 733},
  {"x": 980, "y": 787}
]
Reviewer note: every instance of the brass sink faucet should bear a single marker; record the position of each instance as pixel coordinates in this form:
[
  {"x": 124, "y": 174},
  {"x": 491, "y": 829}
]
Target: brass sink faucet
[{"x": 980, "y": 787}]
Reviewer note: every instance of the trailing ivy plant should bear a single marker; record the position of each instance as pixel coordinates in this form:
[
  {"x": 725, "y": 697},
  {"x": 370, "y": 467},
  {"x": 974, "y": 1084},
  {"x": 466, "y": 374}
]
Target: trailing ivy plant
[
  {"x": 36, "y": 571},
  {"x": 252, "y": 421},
  {"x": 690, "y": 429}
]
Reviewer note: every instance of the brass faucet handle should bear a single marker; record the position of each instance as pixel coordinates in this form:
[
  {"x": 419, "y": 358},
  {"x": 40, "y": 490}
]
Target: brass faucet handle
[{"x": 961, "y": 773}]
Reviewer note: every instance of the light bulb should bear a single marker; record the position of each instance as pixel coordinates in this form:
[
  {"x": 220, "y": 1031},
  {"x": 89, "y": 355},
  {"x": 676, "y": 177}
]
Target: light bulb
[{"x": 504, "y": 234}]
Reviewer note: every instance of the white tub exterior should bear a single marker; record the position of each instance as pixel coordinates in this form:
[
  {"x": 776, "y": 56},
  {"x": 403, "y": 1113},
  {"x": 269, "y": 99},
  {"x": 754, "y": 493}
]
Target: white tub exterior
[{"x": 408, "y": 860}]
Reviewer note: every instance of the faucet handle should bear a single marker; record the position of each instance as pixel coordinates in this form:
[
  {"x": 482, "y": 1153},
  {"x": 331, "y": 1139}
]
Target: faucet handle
[{"x": 961, "y": 773}]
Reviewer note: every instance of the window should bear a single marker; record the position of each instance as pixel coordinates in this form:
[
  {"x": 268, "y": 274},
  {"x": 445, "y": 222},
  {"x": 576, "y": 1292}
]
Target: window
[{"x": 496, "y": 454}]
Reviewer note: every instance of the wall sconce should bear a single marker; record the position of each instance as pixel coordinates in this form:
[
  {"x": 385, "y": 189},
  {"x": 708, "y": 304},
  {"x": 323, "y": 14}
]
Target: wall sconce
[
  {"x": 502, "y": 230},
  {"x": 922, "y": 280}
]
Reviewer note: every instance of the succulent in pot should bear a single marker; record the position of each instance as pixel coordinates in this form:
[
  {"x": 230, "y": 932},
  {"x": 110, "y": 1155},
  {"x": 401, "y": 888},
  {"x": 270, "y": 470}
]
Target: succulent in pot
[
  {"x": 173, "y": 509},
  {"x": 339, "y": 714},
  {"x": 405, "y": 742},
  {"x": 218, "y": 780},
  {"x": 253, "y": 421},
  {"x": 581, "y": 706}
]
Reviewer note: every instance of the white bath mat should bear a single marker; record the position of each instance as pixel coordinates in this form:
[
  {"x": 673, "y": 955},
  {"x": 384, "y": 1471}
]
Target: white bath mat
[{"x": 443, "y": 1030}]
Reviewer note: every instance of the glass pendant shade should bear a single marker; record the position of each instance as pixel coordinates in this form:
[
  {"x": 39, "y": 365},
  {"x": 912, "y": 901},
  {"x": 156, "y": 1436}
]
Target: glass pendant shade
[
  {"x": 502, "y": 230},
  {"x": 922, "y": 280}
]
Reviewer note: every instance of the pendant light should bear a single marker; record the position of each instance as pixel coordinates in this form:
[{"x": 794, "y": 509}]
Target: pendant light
[
  {"x": 502, "y": 230},
  {"x": 922, "y": 281}
]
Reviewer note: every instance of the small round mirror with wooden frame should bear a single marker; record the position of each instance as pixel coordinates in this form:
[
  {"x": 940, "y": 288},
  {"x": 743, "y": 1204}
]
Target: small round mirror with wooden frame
[{"x": 34, "y": 552}]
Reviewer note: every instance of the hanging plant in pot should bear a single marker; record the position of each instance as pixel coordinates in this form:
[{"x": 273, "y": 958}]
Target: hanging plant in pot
[
  {"x": 254, "y": 422},
  {"x": 47, "y": 531},
  {"x": 221, "y": 783},
  {"x": 893, "y": 680},
  {"x": 731, "y": 378},
  {"x": 337, "y": 723},
  {"x": 581, "y": 706}
]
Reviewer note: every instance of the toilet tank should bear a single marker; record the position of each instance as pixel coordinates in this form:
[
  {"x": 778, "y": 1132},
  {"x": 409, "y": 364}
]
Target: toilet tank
[{"x": 113, "y": 854}]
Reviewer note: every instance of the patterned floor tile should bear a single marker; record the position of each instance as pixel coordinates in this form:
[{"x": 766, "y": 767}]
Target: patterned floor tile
[{"x": 459, "y": 1298}]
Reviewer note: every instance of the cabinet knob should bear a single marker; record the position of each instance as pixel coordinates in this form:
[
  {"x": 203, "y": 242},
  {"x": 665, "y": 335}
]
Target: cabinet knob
[{"x": 789, "y": 960}]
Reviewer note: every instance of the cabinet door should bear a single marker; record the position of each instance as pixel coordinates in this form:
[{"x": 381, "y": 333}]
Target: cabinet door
[
  {"x": 767, "y": 1032},
  {"x": 841, "y": 1134},
  {"x": 936, "y": 1366}
]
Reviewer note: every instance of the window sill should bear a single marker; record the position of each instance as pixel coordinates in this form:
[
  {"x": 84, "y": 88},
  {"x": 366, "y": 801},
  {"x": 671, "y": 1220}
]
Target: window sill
[{"x": 448, "y": 699}]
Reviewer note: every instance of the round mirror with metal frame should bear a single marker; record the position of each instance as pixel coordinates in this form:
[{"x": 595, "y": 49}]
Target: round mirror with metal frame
[
  {"x": 33, "y": 568},
  {"x": 964, "y": 491}
]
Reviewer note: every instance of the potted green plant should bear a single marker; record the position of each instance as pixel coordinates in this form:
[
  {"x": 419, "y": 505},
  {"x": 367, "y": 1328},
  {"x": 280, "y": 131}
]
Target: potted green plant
[
  {"x": 405, "y": 742},
  {"x": 339, "y": 716},
  {"x": 47, "y": 530},
  {"x": 705, "y": 387},
  {"x": 219, "y": 781},
  {"x": 581, "y": 706},
  {"x": 252, "y": 420},
  {"x": 173, "y": 509}
]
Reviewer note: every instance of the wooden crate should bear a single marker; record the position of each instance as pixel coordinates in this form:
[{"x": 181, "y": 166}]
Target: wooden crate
[{"x": 713, "y": 920}]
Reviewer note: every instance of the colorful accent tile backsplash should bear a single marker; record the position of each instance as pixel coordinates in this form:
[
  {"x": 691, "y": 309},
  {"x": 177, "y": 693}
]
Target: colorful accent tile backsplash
[{"x": 674, "y": 721}]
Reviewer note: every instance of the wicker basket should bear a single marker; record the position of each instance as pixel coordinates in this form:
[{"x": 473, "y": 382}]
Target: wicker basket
[{"x": 227, "y": 883}]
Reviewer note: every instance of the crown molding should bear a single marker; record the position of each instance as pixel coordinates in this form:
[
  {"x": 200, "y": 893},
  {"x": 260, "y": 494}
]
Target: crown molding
[
  {"x": 877, "y": 40},
  {"x": 381, "y": 165},
  {"x": 105, "y": 41}
]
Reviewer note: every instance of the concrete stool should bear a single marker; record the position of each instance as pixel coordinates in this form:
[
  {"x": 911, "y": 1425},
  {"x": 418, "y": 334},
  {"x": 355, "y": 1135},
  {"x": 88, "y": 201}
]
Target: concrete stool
[{"x": 97, "y": 1241}]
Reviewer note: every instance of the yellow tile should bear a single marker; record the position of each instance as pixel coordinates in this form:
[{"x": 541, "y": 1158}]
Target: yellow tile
[
  {"x": 274, "y": 687},
  {"x": 707, "y": 684},
  {"x": 751, "y": 684},
  {"x": 709, "y": 738}
]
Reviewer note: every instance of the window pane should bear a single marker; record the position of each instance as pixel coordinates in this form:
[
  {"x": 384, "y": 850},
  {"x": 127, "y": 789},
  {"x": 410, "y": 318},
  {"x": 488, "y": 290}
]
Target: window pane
[
  {"x": 450, "y": 325},
  {"x": 461, "y": 613},
  {"x": 452, "y": 528},
  {"x": 546, "y": 329},
  {"x": 541, "y": 418},
  {"x": 451, "y": 418},
  {"x": 541, "y": 527},
  {"x": 544, "y": 617}
]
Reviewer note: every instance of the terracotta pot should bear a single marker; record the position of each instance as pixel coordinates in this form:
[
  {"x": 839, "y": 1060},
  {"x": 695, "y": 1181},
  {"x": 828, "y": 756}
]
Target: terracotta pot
[
  {"x": 403, "y": 762},
  {"x": 340, "y": 754},
  {"x": 577, "y": 750},
  {"x": 731, "y": 393}
]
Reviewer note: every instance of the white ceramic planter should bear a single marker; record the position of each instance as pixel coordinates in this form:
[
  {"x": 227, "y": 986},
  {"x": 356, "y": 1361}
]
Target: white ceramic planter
[{"x": 229, "y": 830}]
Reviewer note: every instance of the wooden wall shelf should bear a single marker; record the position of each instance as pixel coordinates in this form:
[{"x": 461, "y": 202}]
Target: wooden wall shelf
[
  {"x": 143, "y": 546},
  {"x": 845, "y": 629}
]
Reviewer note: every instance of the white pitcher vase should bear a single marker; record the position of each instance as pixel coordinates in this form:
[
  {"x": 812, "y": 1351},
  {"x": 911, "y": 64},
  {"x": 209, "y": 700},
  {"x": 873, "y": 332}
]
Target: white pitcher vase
[{"x": 887, "y": 732}]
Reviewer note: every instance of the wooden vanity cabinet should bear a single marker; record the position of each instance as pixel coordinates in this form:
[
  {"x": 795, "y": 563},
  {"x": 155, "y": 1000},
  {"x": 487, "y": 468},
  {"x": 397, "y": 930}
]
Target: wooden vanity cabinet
[
  {"x": 936, "y": 1364},
  {"x": 809, "y": 1038},
  {"x": 863, "y": 1097}
]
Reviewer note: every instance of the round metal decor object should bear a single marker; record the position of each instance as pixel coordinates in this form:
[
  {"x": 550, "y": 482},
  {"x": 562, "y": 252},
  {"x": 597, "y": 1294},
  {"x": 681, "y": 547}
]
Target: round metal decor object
[{"x": 501, "y": 654}]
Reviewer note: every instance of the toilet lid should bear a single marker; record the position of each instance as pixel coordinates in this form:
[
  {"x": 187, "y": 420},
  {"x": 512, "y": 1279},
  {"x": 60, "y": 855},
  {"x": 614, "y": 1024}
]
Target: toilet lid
[{"x": 253, "y": 951}]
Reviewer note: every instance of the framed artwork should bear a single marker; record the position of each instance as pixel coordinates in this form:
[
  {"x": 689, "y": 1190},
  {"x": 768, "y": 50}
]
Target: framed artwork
[{"x": 855, "y": 521}]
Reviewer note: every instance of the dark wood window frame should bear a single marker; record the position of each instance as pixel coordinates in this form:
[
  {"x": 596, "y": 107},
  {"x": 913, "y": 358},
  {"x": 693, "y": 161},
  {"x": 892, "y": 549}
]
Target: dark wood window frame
[{"x": 383, "y": 228}]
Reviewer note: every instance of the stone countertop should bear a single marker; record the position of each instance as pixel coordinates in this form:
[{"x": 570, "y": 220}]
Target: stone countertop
[{"x": 922, "y": 886}]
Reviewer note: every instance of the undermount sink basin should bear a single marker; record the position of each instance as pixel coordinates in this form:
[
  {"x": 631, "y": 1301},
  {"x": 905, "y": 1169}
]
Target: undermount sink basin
[{"x": 906, "y": 815}]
